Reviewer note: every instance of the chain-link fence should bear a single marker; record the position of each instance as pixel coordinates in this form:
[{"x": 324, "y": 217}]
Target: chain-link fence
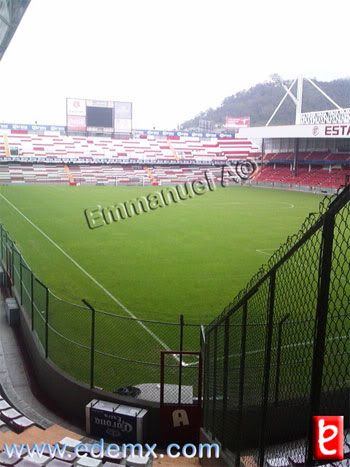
[
  {"x": 280, "y": 352},
  {"x": 100, "y": 348}
]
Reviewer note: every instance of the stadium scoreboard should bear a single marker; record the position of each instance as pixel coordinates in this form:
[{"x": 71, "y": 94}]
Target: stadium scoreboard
[{"x": 96, "y": 116}]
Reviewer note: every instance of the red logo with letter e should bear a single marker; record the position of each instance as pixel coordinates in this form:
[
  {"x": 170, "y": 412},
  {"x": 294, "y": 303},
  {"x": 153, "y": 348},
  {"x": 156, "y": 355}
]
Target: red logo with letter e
[{"x": 328, "y": 434}]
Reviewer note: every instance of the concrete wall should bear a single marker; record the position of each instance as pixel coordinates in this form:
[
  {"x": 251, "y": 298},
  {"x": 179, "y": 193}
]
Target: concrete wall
[{"x": 68, "y": 395}]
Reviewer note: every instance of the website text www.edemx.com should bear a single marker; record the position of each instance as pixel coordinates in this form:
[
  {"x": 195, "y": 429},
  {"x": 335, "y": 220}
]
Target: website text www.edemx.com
[{"x": 100, "y": 450}]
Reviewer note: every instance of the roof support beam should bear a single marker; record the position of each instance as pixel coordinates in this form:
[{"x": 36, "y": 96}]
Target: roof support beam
[
  {"x": 288, "y": 93},
  {"x": 323, "y": 93}
]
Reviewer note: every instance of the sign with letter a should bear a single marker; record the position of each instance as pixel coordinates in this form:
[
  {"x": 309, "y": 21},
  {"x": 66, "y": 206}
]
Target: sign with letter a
[
  {"x": 180, "y": 411},
  {"x": 181, "y": 424},
  {"x": 180, "y": 418}
]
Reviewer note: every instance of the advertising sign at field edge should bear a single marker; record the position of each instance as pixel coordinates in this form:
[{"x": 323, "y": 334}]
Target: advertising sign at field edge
[
  {"x": 237, "y": 122},
  {"x": 116, "y": 422}
]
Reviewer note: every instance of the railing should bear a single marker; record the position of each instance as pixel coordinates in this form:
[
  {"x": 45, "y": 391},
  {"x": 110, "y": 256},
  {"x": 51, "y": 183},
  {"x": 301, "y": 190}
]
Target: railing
[
  {"x": 280, "y": 352},
  {"x": 100, "y": 348}
]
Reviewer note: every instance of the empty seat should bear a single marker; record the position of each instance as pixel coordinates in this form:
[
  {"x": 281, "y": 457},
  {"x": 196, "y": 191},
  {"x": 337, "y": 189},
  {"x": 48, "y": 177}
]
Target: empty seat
[
  {"x": 10, "y": 414},
  {"x": 39, "y": 461},
  {"x": 22, "y": 423},
  {"x": 8, "y": 461},
  {"x": 88, "y": 462},
  {"x": 4, "y": 405},
  {"x": 70, "y": 442},
  {"x": 26, "y": 463},
  {"x": 68, "y": 457},
  {"x": 59, "y": 463},
  {"x": 138, "y": 461}
]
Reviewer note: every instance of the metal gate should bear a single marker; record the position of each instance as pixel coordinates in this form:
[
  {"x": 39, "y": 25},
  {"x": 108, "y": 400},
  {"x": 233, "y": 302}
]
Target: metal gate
[{"x": 180, "y": 400}]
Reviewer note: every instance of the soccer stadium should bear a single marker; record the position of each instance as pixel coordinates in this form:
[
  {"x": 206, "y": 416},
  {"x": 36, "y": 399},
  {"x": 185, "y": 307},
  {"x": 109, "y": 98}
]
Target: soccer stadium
[{"x": 174, "y": 286}]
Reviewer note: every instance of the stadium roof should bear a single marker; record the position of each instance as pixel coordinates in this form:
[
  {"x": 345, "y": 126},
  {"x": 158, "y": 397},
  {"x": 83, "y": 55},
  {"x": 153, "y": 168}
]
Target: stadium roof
[
  {"x": 296, "y": 131},
  {"x": 334, "y": 123},
  {"x": 11, "y": 13}
]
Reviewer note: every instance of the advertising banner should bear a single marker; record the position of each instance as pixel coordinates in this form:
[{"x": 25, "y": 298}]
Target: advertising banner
[
  {"x": 76, "y": 107},
  {"x": 123, "y": 110},
  {"x": 297, "y": 131},
  {"x": 237, "y": 122},
  {"x": 123, "y": 117},
  {"x": 95, "y": 103},
  {"x": 76, "y": 123}
]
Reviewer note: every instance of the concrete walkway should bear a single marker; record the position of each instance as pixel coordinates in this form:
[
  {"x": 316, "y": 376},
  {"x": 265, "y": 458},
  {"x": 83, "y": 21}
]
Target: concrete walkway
[{"x": 15, "y": 381}]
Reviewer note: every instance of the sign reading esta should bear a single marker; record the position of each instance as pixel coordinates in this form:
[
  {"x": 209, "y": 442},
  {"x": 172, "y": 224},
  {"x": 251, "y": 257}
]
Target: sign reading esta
[{"x": 337, "y": 130}]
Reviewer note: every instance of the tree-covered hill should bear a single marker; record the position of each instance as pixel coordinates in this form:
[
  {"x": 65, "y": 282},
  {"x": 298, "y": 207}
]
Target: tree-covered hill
[{"x": 260, "y": 101}]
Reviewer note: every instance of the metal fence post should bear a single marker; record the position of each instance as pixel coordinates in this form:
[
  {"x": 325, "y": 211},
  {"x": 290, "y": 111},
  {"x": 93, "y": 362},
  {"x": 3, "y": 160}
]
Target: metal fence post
[
  {"x": 2, "y": 242},
  {"x": 7, "y": 258},
  {"x": 180, "y": 362},
  {"x": 92, "y": 343},
  {"x": 206, "y": 344},
  {"x": 225, "y": 378},
  {"x": 214, "y": 379},
  {"x": 241, "y": 383},
  {"x": 47, "y": 324},
  {"x": 325, "y": 268},
  {"x": 267, "y": 367},
  {"x": 12, "y": 262},
  {"x": 202, "y": 347},
  {"x": 32, "y": 297},
  {"x": 278, "y": 358},
  {"x": 20, "y": 279}
]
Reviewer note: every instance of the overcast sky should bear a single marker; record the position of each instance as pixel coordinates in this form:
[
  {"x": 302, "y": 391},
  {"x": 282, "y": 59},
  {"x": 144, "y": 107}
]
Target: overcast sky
[{"x": 172, "y": 59}]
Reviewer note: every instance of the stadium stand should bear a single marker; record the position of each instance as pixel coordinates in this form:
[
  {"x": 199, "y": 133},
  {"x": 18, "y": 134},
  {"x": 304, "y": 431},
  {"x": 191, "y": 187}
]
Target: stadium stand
[
  {"x": 85, "y": 149},
  {"x": 36, "y": 173},
  {"x": 96, "y": 174},
  {"x": 317, "y": 176},
  {"x": 309, "y": 156},
  {"x": 33, "y": 158}
]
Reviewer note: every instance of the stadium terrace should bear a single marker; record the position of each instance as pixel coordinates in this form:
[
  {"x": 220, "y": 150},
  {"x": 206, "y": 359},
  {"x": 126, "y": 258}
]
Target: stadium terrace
[{"x": 100, "y": 216}]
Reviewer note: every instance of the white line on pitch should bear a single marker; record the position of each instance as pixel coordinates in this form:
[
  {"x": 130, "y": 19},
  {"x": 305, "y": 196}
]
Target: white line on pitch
[
  {"x": 288, "y": 346},
  {"x": 115, "y": 299},
  {"x": 290, "y": 205},
  {"x": 263, "y": 251}
]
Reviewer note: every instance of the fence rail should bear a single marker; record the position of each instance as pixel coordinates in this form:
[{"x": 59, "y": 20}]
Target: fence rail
[
  {"x": 280, "y": 352},
  {"x": 100, "y": 348}
]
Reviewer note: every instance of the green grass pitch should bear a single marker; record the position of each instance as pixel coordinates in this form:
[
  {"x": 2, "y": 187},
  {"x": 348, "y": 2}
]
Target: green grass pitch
[{"x": 189, "y": 258}]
